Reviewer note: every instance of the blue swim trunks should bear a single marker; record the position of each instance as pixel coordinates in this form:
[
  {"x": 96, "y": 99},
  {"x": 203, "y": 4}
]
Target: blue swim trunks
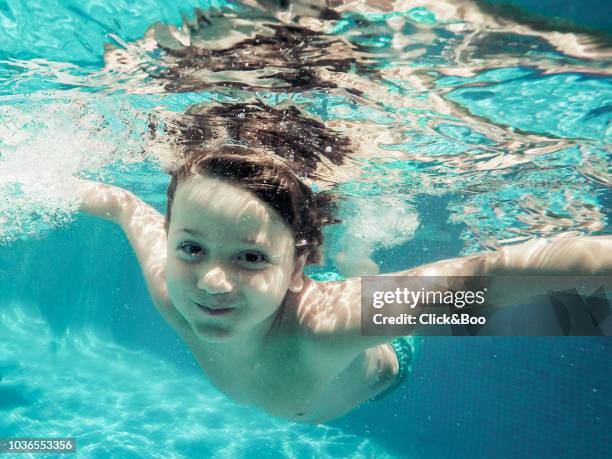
[{"x": 404, "y": 350}]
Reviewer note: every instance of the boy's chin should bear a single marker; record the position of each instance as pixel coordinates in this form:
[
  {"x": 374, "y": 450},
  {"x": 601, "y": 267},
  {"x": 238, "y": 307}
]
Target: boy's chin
[{"x": 213, "y": 333}]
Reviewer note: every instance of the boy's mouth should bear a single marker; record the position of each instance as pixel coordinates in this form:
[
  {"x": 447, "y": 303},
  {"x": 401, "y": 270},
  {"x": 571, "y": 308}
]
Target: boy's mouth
[{"x": 214, "y": 311}]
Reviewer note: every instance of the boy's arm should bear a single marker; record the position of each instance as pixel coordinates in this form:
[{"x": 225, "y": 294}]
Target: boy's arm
[
  {"x": 144, "y": 228},
  {"x": 335, "y": 314},
  {"x": 544, "y": 266}
]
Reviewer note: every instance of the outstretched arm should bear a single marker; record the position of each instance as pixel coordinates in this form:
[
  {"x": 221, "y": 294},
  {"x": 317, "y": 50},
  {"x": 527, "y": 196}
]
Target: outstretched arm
[
  {"x": 544, "y": 266},
  {"x": 144, "y": 228}
]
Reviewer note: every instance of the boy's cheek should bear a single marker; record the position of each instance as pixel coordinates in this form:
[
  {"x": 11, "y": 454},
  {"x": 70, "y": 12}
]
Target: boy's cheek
[
  {"x": 271, "y": 282},
  {"x": 175, "y": 270},
  {"x": 175, "y": 284}
]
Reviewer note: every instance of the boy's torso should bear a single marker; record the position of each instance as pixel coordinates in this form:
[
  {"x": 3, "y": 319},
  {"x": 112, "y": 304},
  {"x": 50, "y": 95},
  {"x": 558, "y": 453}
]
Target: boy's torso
[{"x": 292, "y": 379}]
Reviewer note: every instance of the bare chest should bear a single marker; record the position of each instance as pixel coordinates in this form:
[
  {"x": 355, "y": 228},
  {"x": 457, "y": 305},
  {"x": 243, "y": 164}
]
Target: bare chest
[
  {"x": 288, "y": 385},
  {"x": 279, "y": 380}
]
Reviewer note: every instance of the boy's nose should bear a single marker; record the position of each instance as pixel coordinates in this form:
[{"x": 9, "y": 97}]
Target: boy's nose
[{"x": 215, "y": 281}]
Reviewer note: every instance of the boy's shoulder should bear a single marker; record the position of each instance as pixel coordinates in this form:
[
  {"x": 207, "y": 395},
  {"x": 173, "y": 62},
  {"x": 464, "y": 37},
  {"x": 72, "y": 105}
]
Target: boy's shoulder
[
  {"x": 329, "y": 323},
  {"x": 325, "y": 307},
  {"x": 326, "y": 299}
]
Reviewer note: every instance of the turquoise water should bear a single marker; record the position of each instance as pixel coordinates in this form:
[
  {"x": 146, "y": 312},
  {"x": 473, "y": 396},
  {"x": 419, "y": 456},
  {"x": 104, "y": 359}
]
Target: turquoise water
[{"x": 480, "y": 137}]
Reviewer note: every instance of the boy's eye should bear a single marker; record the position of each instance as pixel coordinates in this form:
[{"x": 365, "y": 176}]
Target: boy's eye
[
  {"x": 252, "y": 258},
  {"x": 190, "y": 248}
]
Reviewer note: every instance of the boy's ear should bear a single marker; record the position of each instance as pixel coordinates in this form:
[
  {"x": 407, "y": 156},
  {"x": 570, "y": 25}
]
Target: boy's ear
[{"x": 297, "y": 281}]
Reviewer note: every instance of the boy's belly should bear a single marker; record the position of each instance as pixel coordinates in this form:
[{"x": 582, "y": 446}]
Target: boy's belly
[
  {"x": 305, "y": 392},
  {"x": 367, "y": 376}
]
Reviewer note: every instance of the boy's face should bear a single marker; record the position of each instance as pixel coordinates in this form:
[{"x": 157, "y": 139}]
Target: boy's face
[{"x": 231, "y": 258}]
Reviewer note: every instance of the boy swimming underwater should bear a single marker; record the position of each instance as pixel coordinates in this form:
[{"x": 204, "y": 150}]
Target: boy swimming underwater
[{"x": 225, "y": 269}]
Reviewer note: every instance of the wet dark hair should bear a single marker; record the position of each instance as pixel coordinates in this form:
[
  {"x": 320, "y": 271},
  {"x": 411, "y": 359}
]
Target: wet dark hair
[
  {"x": 303, "y": 142},
  {"x": 266, "y": 151},
  {"x": 272, "y": 181}
]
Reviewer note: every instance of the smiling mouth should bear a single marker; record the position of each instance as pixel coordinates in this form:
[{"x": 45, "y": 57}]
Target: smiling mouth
[{"x": 215, "y": 311}]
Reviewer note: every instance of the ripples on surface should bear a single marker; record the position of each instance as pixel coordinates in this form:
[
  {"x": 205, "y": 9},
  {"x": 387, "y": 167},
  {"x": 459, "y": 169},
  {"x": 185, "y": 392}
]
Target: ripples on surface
[{"x": 509, "y": 121}]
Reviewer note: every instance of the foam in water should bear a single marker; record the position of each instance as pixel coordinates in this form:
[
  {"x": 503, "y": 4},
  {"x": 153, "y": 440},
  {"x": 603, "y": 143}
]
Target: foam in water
[{"x": 41, "y": 157}]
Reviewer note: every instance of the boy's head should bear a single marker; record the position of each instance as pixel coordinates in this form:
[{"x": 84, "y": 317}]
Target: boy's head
[
  {"x": 241, "y": 225},
  {"x": 240, "y": 229},
  {"x": 263, "y": 150}
]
